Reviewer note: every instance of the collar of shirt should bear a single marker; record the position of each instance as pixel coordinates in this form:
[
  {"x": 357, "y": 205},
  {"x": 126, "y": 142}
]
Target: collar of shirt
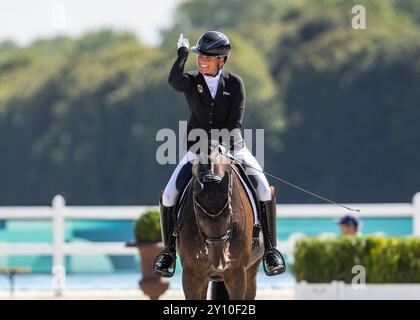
[{"x": 213, "y": 82}]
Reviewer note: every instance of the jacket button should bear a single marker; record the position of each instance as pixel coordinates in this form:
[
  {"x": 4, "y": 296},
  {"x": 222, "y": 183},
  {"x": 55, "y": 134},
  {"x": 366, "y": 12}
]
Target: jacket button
[
  {"x": 212, "y": 104},
  {"x": 211, "y": 113},
  {"x": 210, "y": 122}
]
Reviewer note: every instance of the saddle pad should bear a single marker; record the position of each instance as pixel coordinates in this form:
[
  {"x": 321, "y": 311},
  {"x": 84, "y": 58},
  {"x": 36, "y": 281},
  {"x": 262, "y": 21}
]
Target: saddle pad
[
  {"x": 250, "y": 197},
  {"x": 180, "y": 203}
]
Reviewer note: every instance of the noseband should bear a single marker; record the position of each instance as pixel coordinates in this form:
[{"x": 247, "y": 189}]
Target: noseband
[{"x": 227, "y": 236}]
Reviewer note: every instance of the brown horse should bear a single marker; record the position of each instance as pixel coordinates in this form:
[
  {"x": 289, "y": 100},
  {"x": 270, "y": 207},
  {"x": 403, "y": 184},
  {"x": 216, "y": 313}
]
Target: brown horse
[{"x": 215, "y": 240}]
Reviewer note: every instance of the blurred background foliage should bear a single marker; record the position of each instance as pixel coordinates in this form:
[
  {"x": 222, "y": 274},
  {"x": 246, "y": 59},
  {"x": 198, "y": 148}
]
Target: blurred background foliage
[{"x": 340, "y": 107}]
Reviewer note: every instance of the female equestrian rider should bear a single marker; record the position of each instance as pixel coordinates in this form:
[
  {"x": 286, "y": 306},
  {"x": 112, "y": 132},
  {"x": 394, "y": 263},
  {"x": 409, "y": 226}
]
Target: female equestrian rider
[{"x": 217, "y": 100}]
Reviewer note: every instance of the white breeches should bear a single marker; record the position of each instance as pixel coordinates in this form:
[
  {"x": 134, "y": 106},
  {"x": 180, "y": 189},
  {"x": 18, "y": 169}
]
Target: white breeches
[{"x": 263, "y": 189}]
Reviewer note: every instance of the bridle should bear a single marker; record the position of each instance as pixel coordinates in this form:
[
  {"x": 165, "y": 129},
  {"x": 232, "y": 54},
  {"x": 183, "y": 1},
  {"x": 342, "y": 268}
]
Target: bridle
[
  {"x": 225, "y": 238},
  {"x": 218, "y": 213}
]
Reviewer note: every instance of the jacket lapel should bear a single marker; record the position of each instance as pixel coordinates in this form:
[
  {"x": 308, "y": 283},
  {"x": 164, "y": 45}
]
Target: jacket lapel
[
  {"x": 222, "y": 84},
  {"x": 202, "y": 88}
]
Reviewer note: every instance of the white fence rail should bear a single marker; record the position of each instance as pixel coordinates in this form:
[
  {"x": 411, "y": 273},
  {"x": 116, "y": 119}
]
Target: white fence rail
[{"x": 59, "y": 213}]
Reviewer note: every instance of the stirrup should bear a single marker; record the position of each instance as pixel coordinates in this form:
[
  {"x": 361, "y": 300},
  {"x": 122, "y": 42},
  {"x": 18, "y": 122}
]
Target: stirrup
[
  {"x": 171, "y": 270},
  {"x": 277, "y": 271}
]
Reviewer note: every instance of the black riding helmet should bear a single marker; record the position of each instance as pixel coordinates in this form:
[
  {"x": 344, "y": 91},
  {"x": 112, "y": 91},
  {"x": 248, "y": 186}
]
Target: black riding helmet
[{"x": 214, "y": 44}]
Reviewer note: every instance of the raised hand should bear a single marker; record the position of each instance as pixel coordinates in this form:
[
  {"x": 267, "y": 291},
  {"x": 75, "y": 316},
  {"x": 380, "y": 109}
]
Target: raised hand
[{"x": 183, "y": 42}]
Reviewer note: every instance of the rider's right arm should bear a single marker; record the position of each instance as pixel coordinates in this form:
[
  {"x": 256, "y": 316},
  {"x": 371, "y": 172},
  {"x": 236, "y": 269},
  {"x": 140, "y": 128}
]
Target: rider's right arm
[{"x": 177, "y": 78}]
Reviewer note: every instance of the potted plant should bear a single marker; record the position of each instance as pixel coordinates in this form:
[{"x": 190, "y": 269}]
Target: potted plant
[{"x": 148, "y": 238}]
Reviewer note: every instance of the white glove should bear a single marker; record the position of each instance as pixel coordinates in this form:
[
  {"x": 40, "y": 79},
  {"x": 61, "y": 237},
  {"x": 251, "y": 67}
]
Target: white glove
[{"x": 183, "y": 42}]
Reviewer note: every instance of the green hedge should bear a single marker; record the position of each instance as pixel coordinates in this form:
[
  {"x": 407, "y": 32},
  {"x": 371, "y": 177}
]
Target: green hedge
[{"x": 386, "y": 259}]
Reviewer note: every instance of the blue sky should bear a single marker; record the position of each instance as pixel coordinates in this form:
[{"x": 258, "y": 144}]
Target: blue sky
[{"x": 25, "y": 20}]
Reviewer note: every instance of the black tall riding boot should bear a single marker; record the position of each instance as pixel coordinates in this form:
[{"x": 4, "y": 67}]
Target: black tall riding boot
[
  {"x": 273, "y": 260},
  {"x": 165, "y": 261}
]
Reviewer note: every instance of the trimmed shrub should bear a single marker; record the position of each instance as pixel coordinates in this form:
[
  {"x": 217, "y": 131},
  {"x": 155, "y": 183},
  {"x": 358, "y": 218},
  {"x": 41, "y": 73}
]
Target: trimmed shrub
[{"x": 147, "y": 227}]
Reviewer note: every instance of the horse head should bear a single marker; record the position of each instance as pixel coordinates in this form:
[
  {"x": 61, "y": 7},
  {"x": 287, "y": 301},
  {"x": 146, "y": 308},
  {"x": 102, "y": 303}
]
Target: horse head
[{"x": 212, "y": 191}]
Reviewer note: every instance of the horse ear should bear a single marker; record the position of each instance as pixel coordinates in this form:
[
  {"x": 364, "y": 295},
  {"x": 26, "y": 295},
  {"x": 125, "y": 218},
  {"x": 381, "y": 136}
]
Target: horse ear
[
  {"x": 224, "y": 183},
  {"x": 198, "y": 186}
]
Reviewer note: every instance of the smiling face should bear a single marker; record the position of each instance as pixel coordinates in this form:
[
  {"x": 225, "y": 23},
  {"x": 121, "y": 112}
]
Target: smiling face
[{"x": 209, "y": 65}]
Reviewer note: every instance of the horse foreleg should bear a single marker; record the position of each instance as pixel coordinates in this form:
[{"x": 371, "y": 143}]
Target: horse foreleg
[
  {"x": 236, "y": 283},
  {"x": 204, "y": 291},
  {"x": 194, "y": 286},
  {"x": 251, "y": 287}
]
